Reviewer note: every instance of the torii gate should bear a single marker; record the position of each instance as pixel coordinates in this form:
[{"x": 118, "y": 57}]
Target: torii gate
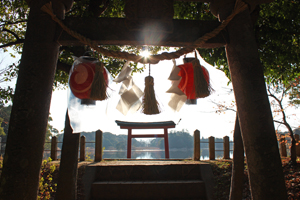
[
  {"x": 34, "y": 87},
  {"x": 147, "y": 125}
]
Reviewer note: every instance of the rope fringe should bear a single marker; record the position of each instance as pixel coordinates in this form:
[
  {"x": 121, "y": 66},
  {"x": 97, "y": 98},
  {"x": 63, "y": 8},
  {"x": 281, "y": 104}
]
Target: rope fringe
[
  {"x": 154, "y": 59},
  {"x": 150, "y": 105}
]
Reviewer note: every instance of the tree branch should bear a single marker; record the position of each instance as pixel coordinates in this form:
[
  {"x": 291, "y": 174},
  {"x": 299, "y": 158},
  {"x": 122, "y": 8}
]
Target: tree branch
[
  {"x": 94, "y": 7},
  {"x": 279, "y": 122},
  {"x": 224, "y": 108},
  {"x": 11, "y": 32},
  {"x": 12, "y": 23},
  {"x": 18, "y": 40}
]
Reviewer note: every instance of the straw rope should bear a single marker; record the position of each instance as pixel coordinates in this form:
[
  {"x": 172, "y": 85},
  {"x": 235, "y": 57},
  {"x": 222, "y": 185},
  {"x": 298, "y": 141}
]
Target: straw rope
[{"x": 154, "y": 59}]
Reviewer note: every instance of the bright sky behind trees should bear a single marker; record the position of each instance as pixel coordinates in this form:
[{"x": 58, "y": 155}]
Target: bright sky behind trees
[{"x": 202, "y": 116}]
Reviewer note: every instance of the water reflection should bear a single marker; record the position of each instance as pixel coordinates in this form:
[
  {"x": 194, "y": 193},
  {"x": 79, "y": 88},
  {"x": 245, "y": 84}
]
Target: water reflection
[
  {"x": 148, "y": 154},
  {"x": 160, "y": 154}
]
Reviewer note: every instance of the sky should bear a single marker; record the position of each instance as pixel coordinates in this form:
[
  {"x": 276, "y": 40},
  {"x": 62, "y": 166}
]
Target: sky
[{"x": 202, "y": 116}]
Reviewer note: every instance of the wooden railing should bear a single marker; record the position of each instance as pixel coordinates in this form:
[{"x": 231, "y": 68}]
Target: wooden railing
[
  {"x": 211, "y": 146},
  {"x": 211, "y": 143},
  {"x": 283, "y": 144},
  {"x": 99, "y": 151}
]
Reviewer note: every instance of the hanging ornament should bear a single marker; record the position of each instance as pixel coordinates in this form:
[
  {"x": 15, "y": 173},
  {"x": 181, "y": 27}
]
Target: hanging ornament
[
  {"x": 88, "y": 79},
  {"x": 195, "y": 79},
  {"x": 178, "y": 98},
  {"x": 129, "y": 92},
  {"x": 149, "y": 105},
  {"x": 201, "y": 80},
  {"x": 186, "y": 84}
]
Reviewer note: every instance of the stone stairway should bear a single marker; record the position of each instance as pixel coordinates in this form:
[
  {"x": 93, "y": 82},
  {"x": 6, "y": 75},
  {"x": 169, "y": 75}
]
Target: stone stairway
[{"x": 137, "y": 180}]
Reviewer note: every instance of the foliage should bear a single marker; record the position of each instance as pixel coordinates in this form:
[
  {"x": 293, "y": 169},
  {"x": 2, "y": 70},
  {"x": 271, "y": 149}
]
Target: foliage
[
  {"x": 292, "y": 178},
  {"x": 5, "y": 115},
  {"x": 49, "y": 132},
  {"x": 4, "y": 124},
  {"x": 14, "y": 17},
  {"x": 277, "y": 34},
  {"x": 294, "y": 93},
  {"x": 222, "y": 174},
  {"x": 276, "y": 31},
  {"x": 47, "y": 187},
  {"x": 2, "y": 133}
]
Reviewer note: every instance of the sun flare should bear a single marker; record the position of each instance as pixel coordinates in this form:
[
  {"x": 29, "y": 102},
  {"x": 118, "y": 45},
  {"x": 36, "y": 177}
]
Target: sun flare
[{"x": 145, "y": 53}]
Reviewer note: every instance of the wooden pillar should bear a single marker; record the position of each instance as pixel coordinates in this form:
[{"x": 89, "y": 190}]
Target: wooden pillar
[
  {"x": 196, "y": 145},
  {"x": 54, "y": 148},
  {"x": 67, "y": 177},
  {"x": 98, "y": 146},
  {"x": 30, "y": 110},
  {"x": 166, "y": 139},
  {"x": 226, "y": 147},
  {"x": 211, "y": 144},
  {"x": 282, "y": 145},
  {"x": 297, "y": 145},
  {"x": 253, "y": 106},
  {"x": 129, "y": 143},
  {"x": 82, "y": 148}
]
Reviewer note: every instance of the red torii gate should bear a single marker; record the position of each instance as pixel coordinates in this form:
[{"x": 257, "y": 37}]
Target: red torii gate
[{"x": 146, "y": 125}]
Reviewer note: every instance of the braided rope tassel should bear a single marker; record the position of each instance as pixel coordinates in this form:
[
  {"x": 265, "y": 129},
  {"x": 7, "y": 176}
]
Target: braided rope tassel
[{"x": 150, "y": 105}]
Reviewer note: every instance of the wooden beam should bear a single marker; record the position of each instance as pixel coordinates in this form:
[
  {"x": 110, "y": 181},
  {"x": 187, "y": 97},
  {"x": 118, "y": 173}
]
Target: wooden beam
[{"x": 113, "y": 31}]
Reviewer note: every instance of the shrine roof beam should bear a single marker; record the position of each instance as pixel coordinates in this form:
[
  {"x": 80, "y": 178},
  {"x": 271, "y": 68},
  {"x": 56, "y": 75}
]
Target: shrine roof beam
[{"x": 113, "y": 31}]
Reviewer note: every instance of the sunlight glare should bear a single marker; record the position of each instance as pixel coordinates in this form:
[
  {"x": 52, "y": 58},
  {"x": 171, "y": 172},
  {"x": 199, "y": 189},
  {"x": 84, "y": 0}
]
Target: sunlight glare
[{"x": 145, "y": 53}]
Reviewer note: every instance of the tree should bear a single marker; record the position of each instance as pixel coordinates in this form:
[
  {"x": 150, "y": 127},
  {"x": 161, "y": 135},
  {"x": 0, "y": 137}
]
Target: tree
[{"x": 279, "y": 108}]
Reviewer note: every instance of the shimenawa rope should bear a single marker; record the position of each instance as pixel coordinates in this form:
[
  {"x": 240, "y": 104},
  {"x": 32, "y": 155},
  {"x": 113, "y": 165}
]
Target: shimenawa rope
[{"x": 154, "y": 59}]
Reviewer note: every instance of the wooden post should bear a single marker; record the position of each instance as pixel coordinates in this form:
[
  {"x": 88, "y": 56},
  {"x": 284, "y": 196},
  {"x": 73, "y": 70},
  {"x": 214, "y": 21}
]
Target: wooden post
[
  {"x": 98, "y": 146},
  {"x": 82, "y": 148},
  {"x": 167, "y": 155},
  {"x": 54, "y": 148},
  {"x": 196, "y": 145},
  {"x": 212, "y": 155},
  {"x": 282, "y": 146},
  {"x": 67, "y": 177},
  {"x": 297, "y": 145},
  {"x": 129, "y": 143},
  {"x": 226, "y": 147}
]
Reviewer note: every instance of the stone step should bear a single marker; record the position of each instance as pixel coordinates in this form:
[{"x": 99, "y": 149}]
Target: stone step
[
  {"x": 148, "y": 172},
  {"x": 146, "y": 190},
  {"x": 151, "y": 180}
]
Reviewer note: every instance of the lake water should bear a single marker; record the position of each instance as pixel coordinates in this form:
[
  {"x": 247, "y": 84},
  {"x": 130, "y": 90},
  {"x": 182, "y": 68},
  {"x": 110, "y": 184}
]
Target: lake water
[
  {"x": 160, "y": 154},
  {"x": 148, "y": 154}
]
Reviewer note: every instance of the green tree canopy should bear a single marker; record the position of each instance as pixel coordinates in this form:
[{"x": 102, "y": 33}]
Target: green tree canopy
[{"x": 276, "y": 28}]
